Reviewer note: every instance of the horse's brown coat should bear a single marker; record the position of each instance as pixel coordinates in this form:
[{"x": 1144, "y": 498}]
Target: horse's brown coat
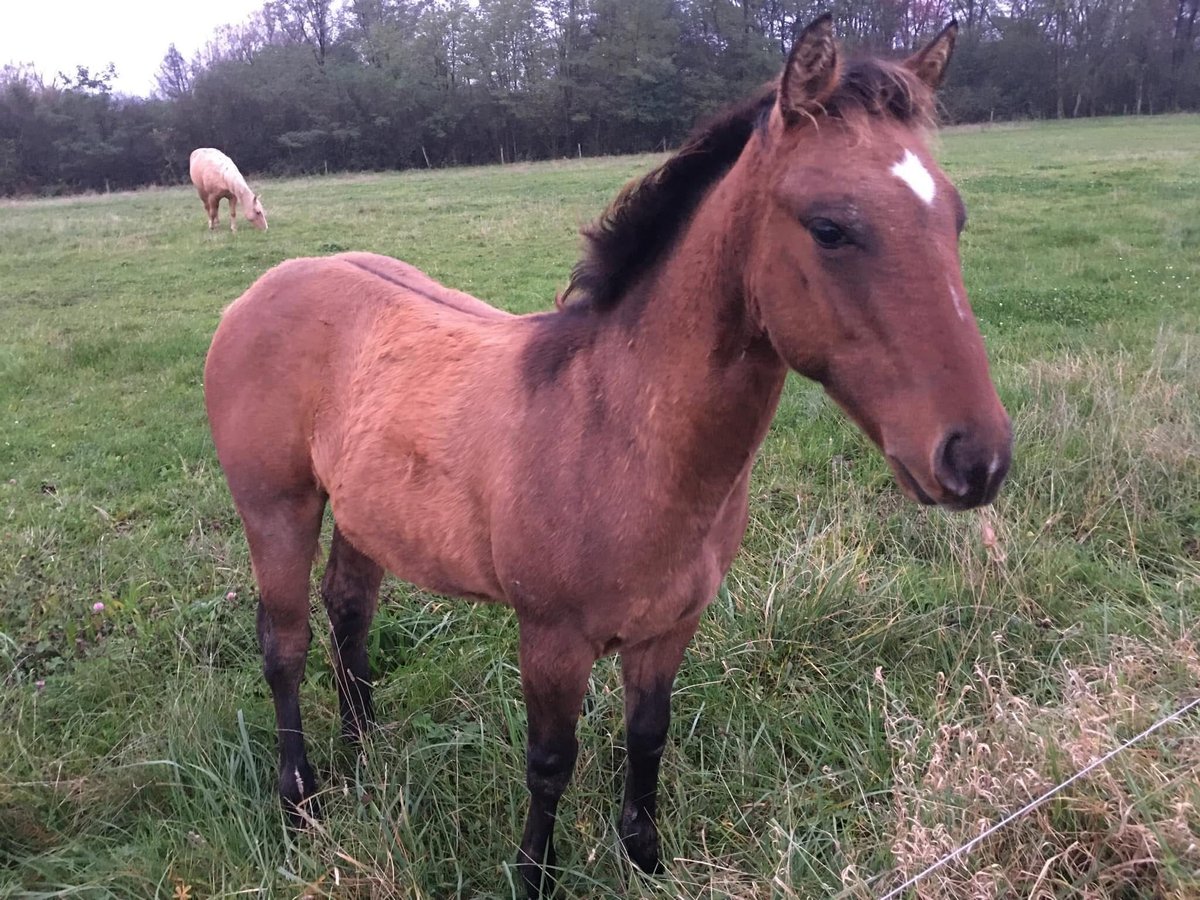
[{"x": 590, "y": 467}]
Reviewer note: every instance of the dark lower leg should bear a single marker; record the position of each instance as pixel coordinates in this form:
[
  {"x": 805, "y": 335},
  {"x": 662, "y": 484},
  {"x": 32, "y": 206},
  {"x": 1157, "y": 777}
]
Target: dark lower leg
[
  {"x": 282, "y": 530},
  {"x": 549, "y": 765},
  {"x": 645, "y": 738},
  {"x": 648, "y": 671},
  {"x": 554, "y": 670},
  {"x": 285, "y": 648},
  {"x": 350, "y": 589}
]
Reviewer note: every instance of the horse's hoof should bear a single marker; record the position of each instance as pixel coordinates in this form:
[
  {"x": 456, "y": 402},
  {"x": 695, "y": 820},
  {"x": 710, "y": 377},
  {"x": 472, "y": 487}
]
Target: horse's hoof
[
  {"x": 639, "y": 836},
  {"x": 355, "y": 735},
  {"x": 303, "y": 814},
  {"x": 356, "y": 728},
  {"x": 298, "y": 794},
  {"x": 539, "y": 880}
]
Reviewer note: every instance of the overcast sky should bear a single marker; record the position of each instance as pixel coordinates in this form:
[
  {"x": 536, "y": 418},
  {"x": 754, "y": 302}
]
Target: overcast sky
[{"x": 132, "y": 34}]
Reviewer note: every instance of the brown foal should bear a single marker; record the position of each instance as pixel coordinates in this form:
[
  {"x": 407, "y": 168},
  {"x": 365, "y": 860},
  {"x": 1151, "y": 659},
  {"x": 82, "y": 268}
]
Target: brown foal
[{"x": 589, "y": 467}]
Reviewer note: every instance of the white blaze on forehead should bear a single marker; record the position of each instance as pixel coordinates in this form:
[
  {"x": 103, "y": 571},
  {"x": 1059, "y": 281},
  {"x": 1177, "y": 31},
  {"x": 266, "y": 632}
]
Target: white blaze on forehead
[{"x": 911, "y": 171}]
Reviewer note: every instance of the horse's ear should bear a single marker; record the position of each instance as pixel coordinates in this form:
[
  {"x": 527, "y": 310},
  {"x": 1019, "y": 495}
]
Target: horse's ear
[
  {"x": 811, "y": 73},
  {"x": 929, "y": 63}
]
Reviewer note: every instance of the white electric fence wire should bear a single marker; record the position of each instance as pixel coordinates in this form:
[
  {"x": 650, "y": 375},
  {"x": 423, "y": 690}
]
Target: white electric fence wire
[{"x": 1033, "y": 804}]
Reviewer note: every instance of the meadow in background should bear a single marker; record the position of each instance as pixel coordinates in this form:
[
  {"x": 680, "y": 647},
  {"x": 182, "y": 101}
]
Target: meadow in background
[{"x": 873, "y": 684}]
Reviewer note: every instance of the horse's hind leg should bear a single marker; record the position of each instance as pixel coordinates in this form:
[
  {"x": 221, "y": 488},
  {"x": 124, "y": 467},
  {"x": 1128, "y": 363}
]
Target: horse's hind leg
[
  {"x": 648, "y": 671},
  {"x": 282, "y": 533},
  {"x": 350, "y": 589}
]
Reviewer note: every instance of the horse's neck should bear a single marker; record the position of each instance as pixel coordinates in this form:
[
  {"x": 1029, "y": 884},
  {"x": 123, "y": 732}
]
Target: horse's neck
[
  {"x": 712, "y": 377},
  {"x": 236, "y": 182}
]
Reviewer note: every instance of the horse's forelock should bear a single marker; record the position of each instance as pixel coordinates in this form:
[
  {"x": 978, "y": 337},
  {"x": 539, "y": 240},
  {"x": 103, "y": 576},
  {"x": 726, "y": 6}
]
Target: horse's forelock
[{"x": 883, "y": 88}]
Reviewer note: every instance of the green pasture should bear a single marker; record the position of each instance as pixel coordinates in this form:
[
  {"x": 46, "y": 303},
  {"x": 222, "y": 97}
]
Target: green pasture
[{"x": 874, "y": 682}]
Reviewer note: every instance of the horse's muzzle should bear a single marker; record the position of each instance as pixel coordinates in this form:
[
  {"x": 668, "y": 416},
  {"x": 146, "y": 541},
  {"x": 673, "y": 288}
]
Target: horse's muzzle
[{"x": 969, "y": 466}]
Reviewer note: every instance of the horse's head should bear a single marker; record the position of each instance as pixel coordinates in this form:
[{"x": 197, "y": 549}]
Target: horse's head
[
  {"x": 854, "y": 270},
  {"x": 256, "y": 215}
]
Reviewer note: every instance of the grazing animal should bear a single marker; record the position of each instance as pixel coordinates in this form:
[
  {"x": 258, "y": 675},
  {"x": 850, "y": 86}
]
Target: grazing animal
[
  {"x": 589, "y": 467},
  {"x": 216, "y": 178}
]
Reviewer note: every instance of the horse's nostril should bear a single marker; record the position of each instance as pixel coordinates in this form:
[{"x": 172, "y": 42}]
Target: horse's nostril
[
  {"x": 950, "y": 467},
  {"x": 969, "y": 467}
]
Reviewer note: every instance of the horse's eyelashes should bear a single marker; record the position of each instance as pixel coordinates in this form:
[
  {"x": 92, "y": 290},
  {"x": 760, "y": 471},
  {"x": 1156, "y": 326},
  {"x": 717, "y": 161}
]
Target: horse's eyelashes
[{"x": 828, "y": 234}]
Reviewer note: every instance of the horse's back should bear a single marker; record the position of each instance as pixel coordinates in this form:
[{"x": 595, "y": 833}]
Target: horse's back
[
  {"x": 412, "y": 279},
  {"x": 200, "y": 163},
  {"x": 311, "y": 335},
  {"x": 212, "y": 172}
]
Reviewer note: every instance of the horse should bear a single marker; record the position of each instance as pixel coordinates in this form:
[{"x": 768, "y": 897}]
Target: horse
[
  {"x": 589, "y": 466},
  {"x": 217, "y": 178}
]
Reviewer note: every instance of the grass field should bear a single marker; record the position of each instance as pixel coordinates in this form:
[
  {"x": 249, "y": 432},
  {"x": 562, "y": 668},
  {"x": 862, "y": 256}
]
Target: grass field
[{"x": 875, "y": 683}]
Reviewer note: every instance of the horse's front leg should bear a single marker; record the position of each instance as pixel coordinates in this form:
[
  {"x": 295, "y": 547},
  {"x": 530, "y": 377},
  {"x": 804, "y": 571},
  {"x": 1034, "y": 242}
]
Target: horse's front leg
[
  {"x": 233, "y": 213},
  {"x": 555, "y": 664},
  {"x": 648, "y": 670}
]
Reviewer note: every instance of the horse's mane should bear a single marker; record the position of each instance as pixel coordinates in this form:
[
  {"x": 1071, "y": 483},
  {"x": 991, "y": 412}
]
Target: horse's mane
[{"x": 649, "y": 212}]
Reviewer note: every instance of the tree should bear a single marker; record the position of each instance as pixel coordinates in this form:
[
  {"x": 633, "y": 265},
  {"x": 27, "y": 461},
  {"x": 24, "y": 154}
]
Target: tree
[
  {"x": 84, "y": 81},
  {"x": 174, "y": 78},
  {"x": 316, "y": 85},
  {"x": 308, "y": 22}
]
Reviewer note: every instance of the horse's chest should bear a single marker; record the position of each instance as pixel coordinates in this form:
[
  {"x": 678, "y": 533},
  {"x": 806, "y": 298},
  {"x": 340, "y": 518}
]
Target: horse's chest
[
  {"x": 648, "y": 616},
  {"x": 618, "y": 593},
  {"x": 691, "y": 586}
]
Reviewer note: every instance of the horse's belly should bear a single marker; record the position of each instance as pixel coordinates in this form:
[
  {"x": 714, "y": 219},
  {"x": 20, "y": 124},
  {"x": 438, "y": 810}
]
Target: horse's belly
[{"x": 437, "y": 542}]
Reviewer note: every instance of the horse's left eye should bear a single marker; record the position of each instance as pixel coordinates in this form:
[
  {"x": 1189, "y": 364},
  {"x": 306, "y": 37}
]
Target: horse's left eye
[{"x": 827, "y": 234}]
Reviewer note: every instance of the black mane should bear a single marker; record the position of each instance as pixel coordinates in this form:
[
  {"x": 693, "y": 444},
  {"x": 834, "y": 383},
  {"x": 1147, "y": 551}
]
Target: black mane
[{"x": 650, "y": 212}]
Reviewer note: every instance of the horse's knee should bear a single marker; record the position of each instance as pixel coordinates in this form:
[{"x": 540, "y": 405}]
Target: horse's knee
[
  {"x": 647, "y": 737},
  {"x": 349, "y": 619},
  {"x": 284, "y": 649},
  {"x": 548, "y": 767}
]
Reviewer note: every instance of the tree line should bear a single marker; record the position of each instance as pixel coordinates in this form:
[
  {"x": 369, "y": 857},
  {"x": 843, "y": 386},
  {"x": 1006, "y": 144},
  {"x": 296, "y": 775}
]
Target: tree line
[{"x": 309, "y": 86}]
